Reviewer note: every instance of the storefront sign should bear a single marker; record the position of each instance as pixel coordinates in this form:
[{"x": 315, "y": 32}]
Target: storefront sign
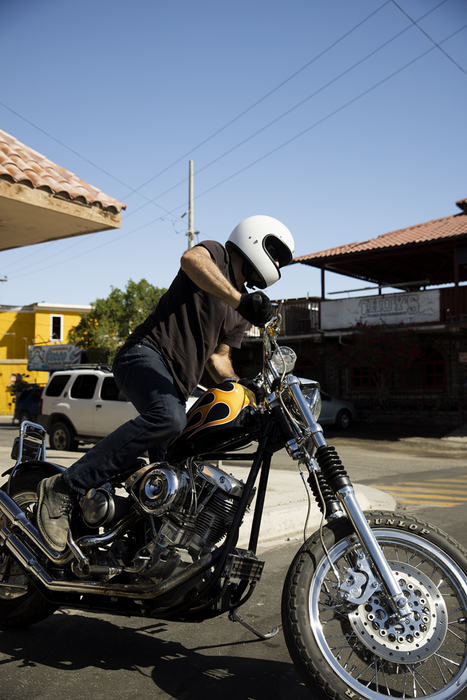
[
  {"x": 52, "y": 357},
  {"x": 391, "y": 309}
]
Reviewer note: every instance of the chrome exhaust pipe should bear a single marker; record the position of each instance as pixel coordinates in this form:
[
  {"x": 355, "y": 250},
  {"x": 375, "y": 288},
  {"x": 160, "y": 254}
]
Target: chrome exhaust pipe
[{"x": 28, "y": 560}]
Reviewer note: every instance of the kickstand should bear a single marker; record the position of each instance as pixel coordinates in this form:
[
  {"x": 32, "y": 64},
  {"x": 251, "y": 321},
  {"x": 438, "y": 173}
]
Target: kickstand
[{"x": 235, "y": 616}]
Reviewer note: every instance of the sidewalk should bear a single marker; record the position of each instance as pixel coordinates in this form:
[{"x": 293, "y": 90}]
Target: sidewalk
[{"x": 286, "y": 503}]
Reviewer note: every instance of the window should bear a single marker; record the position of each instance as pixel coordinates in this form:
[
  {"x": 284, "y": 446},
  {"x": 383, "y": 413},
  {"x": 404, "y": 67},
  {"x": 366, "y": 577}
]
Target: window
[
  {"x": 57, "y": 384},
  {"x": 109, "y": 390},
  {"x": 428, "y": 371},
  {"x": 56, "y": 328},
  {"x": 360, "y": 378},
  {"x": 83, "y": 387}
]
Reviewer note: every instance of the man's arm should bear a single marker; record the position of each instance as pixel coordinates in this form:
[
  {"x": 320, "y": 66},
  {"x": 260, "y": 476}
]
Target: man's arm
[
  {"x": 203, "y": 271},
  {"x": 219, "y": 364}
]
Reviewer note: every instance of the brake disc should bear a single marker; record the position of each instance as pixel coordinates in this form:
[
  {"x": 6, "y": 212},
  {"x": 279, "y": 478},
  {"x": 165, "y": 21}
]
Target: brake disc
[{"x": 408, "y": 639}]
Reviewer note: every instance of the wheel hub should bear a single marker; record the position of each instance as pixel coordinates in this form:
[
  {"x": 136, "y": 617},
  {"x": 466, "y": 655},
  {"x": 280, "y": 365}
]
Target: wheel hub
[{"x": 409, "y": 639}]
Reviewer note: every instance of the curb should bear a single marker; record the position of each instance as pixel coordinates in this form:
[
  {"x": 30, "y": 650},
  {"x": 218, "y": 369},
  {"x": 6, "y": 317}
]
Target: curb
[{"x": 284, "y": 522}]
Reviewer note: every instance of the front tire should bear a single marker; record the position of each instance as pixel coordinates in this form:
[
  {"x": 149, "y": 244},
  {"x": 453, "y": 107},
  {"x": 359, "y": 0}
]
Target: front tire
[
  {"x": 360, "y": 652},
  {"x": 22, "y": 604}
]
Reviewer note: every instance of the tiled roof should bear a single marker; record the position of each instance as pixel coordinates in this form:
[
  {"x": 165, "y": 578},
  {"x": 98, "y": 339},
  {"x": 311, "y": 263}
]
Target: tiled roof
[
  {"x": 447, "y": 228},
  {"x": 19, "y": 163}
]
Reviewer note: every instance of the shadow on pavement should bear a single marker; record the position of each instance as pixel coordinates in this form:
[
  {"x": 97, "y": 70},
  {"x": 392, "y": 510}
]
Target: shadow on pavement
[{"x": 69, "y": 646}]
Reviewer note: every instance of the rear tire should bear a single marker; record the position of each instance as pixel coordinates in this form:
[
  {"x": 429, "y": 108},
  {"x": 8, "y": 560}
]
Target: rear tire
[{"x": 18, "y": 607}]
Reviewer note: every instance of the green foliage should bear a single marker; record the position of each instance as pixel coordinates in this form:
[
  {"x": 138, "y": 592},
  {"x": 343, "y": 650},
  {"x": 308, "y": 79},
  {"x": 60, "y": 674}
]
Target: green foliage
[
  {"x": 380, "y": 350},
  {"x": 102, "y": 331}
]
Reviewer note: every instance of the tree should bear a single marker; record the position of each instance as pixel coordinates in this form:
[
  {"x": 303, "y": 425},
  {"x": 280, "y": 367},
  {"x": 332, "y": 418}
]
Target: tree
[
  {"x": 104, "y": 329},
  {"x": 380, "y": 351}
]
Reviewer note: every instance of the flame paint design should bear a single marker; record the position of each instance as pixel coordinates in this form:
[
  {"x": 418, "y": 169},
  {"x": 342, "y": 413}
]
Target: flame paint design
[{"x": 218, "y": 406}]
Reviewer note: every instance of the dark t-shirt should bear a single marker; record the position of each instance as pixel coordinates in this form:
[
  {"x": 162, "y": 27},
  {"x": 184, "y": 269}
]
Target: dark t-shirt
[{"x": 188, "y": 324}]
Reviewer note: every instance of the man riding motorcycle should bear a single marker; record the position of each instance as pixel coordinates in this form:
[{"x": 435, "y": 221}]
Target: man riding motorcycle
[{"x": 204, "y": 313}]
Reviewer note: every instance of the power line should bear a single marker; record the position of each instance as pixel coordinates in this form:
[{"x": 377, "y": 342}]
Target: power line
[
  {"x": 286, "y": 142},
  {"x": 213, "y": 135},
  {"x": 299, "y": 104},
  {"x": 268, "y": 94},
  {"x": 429, "y": 37},
  {"x": 79, "y": 154},
  {"x": 86, "y": 252},
  {"x": 274, "y": 150},
  {"x": 331, "y": 114}
]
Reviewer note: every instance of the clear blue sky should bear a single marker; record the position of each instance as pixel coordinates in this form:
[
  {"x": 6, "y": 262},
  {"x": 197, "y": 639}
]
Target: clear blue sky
[{"x": 342, "y": 119}]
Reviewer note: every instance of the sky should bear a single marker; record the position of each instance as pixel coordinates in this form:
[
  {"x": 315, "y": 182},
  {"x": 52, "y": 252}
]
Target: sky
[{"x": 344, "y": 120}]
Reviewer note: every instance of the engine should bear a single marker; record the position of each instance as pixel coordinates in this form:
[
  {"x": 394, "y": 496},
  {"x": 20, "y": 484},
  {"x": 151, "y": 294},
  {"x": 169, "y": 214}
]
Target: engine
[{"x": 189, "y": 512}]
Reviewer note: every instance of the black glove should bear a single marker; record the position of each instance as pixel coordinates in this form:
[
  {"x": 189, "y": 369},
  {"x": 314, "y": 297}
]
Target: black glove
[
  {"x": 258, "y": 391},
  {"x": 256, "y": 308}
]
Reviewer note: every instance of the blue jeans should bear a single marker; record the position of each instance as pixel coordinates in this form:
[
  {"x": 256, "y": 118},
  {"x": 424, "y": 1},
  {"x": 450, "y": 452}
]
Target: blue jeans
[{"x": 142, "y": 375}]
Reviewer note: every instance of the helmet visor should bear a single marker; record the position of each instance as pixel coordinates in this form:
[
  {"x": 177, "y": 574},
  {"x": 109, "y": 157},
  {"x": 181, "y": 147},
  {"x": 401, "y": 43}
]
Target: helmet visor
[{"x": 277, "y": 251}]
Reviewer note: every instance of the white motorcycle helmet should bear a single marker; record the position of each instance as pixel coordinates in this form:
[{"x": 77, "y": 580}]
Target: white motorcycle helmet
[{"x": 261, "y": 241}]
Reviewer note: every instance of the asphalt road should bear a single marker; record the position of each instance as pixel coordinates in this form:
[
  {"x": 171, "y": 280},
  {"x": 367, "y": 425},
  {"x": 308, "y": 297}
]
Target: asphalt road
[{"x": 78, "y": 655}]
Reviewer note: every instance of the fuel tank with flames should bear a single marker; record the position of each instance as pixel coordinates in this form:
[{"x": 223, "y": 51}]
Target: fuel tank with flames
[{"x": 222, "y": 414}]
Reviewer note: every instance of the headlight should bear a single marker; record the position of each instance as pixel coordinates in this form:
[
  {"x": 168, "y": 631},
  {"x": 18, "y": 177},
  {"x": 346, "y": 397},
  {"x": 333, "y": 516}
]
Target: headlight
[
  {"x": 284, "y": 357},
  {"x": 311, "y": 392}
]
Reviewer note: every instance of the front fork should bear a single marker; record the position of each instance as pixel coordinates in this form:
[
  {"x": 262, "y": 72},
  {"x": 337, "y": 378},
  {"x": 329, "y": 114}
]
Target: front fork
[{"x": 336, "y": 479}]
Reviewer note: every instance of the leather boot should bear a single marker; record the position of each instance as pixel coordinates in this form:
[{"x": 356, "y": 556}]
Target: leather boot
[{"x": 56, "y": 501}]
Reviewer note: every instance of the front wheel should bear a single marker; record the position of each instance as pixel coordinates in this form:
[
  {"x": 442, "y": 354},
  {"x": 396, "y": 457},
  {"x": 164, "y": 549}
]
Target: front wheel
[{"x": 360, "y": 652}]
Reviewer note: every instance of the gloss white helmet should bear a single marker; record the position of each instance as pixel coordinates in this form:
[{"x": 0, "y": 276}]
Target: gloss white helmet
[{"x": 265, "y": 245}]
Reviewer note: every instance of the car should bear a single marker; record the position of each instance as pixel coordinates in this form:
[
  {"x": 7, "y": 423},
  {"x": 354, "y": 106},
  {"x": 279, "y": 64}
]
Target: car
[
  {"x": 336, "y": 412},
  {"x": 83, "y": 405},
  {"x": 27, "y": 404}
]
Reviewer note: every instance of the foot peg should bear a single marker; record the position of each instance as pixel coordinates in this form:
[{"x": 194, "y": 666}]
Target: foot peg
[{"x": 235, "y": 616}]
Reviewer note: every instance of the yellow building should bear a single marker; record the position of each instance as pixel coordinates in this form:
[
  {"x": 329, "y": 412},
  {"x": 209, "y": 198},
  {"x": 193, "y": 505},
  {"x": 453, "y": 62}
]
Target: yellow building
[{"x": 22, "y": 326}]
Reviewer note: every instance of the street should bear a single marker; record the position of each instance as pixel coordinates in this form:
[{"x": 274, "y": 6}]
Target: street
[{"x": 78, "y": 655}]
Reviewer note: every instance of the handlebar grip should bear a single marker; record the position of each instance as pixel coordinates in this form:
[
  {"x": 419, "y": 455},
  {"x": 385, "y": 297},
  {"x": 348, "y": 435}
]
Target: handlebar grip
[{"x": 257, "y": 301}]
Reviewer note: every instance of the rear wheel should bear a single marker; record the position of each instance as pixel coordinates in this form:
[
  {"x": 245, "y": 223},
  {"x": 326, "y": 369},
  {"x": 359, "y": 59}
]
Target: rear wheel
[
  {"x": 21, "y": 603},
  {"x": 61, "y": 437},
  {"x": 364, "y": 652}
]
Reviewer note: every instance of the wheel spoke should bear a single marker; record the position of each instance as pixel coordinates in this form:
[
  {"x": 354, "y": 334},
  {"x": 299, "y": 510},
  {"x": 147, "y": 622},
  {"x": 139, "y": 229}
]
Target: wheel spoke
[{"x": 434, "y": 666}]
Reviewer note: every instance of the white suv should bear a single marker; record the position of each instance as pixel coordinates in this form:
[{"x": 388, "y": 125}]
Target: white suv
[{"x": 84, "y": 405}]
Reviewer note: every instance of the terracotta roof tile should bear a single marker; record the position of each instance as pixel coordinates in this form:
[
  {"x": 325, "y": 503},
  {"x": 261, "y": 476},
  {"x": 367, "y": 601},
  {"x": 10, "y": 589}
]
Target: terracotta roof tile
[
  {"x": 18, "y": 163},
  {"x": 438, "y": 229}
]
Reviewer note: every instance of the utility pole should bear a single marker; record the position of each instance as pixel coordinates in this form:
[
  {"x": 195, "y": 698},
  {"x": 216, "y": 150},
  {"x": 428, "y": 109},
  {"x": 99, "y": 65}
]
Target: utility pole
[
  {"x": 3, "y": 279},
  {"x": 191, "y": 230}
]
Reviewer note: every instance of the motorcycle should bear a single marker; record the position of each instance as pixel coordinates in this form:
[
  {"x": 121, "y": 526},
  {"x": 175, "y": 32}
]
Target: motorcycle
[{"x": 374, "y": 604}]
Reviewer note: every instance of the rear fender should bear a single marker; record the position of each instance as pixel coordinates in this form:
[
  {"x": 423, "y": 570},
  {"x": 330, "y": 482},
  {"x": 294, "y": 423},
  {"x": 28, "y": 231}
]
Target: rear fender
[{"x": 49, "y": 468}]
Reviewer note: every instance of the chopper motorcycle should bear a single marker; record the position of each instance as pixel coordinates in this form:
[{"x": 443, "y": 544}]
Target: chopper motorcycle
[{"x": 374, "y": 604}]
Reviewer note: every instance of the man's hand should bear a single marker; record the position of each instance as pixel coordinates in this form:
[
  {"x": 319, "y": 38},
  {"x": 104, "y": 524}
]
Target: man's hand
[
  {"x": 258, "y": 391},
  {"x": 256, "y": 307}
]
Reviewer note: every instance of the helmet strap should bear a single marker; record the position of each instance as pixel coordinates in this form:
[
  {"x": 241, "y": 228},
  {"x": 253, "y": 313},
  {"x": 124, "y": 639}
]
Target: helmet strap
[{"x": 247, "y": 270}]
